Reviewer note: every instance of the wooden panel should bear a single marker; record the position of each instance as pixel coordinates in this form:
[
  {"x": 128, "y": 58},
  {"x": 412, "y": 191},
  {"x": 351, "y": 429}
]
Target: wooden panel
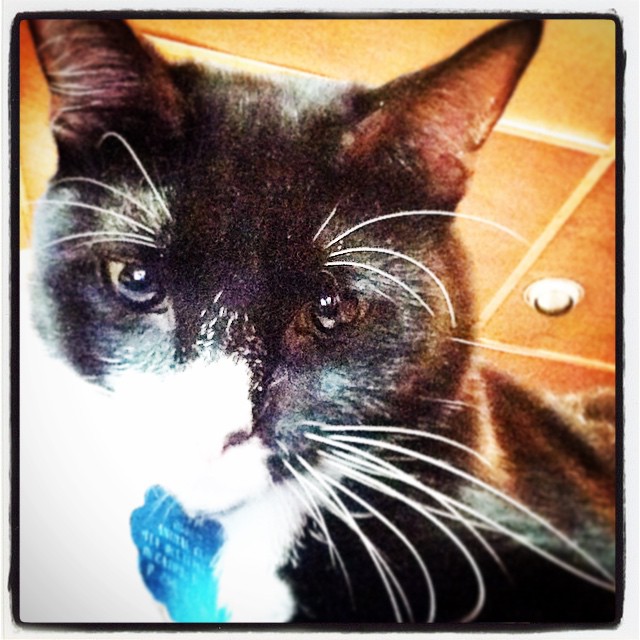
[
  {"x": 571, "y": 86},
  {"x": 584, "y": 251},
  {"x": 549, "y": 375},
  {"x": 371, "y": 51},
  {"x": 519, "y": 184}
]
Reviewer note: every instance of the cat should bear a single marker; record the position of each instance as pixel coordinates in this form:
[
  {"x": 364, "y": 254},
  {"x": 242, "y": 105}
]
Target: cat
[{"x": 263, "y": 277}]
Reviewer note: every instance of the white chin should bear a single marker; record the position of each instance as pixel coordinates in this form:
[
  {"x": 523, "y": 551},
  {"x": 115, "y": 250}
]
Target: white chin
[{"x": 233, "y": 478}]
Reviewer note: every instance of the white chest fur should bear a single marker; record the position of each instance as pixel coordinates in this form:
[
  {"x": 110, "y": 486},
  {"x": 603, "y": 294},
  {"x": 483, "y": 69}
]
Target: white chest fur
[{"x": 258, "y": 539}]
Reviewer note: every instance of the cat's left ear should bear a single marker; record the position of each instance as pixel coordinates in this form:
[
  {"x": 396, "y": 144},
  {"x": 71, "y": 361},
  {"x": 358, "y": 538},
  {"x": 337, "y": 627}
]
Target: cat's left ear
[
  {"x": 445, "y": 112},
  {"x": 103, "y": 78}
]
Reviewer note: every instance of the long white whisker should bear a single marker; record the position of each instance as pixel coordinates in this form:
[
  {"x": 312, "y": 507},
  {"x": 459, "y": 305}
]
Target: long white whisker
[
  {"x": 401, "y": 431},
  {"x": 379, "y": 563},
  {"x": 383, "y": 488},
  {"x": 319, "y": 518},
  {"x": 312, "y": 509},
  {"x": 495, "y": 525},
  {"x": 90, "y": 243},
  {"x": 119, "y": 192},
  {"x": 502, "y": 348},
  {"x": 365, "y": 480},
  {"x": 132, "y": 153},
  {"x": 384, "y": 469},
  {"x": 382, "y": 293},
  {"x": 113, "y": 236},
  {"x": 401, "y": 536},
  {"x": 450, "y": 214},
  {"x": 473, "y": 527},
  {"x": 413, "y": 261},
  {"x": 451, "y": 513},
  {"x": 360, "y": 265},
  {"x": 325, "y": 223},
  {"x": 487, "y": 487},
  {"x": 120, "y": 216}
]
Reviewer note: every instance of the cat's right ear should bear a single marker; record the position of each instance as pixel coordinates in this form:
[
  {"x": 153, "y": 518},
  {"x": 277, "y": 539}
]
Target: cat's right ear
[
  {"x": 444, "y": 113},
  {"x": 102, "y": 78}
]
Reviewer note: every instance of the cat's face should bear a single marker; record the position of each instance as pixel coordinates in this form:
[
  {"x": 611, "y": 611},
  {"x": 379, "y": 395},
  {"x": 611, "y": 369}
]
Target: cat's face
[{"x": 244, "y": 263}]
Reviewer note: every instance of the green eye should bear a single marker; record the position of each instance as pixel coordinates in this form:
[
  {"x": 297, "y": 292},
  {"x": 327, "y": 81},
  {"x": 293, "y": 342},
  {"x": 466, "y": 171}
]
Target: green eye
[{"x": 137, "y": 284}]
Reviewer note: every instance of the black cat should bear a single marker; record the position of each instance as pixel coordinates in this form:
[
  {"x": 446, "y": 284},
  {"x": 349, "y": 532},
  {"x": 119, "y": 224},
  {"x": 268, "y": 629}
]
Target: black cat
[{"x": 264, "y": 275}]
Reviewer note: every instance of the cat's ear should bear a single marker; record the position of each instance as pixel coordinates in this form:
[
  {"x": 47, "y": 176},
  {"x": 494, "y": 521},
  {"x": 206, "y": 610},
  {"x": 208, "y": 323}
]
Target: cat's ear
[
  {"x": 445, "y": 112},
  {"x": 102, "y": 78}
]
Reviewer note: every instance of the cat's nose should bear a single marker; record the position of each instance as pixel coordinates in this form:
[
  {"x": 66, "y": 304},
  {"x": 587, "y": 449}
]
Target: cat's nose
[{"x": 237, "y": 438}]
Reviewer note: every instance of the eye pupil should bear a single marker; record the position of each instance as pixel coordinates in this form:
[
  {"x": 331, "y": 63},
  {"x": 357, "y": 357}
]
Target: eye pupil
[
  {"x": 327, "y": 313},
  {"x": 135, "y": 284},
  {"x": 327, "y": 309},
  {"x": 135, "y": 278}
]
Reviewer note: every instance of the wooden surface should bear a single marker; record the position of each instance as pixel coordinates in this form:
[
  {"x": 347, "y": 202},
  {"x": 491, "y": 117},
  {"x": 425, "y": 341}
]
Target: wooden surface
[{"x": 547, "y": 172}]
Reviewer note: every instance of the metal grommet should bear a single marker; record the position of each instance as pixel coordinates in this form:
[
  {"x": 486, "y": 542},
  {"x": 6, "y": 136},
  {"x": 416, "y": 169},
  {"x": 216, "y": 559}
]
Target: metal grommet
[{"x": 553, "y": 296}]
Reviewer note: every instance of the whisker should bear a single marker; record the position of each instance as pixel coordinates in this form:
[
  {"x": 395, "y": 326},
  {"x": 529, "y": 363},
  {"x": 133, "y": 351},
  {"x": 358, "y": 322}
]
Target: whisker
[
  {"x": 487, "y": 487},
  {"x": 113, "y": 236},
  {"x": 370, "y": 468},
  {"x": 401, "y": 536},
  {"x": 413, "y": 261},
  {"x": 360, "y": 265},
  {"x": 382, "y": 293},
  {"x": 354, "y": 474},
  {"x": 502, "y": 348},
  {"x": 132, "y": 153},
  {"x": 120, "y": 216},
  {"x": 450, "y": 214},
  {"x": 383, "y": 488},
  {"x": 325, "y": 223},
  {"x": 118, "y": 192},
  {"x": 402, "y": 431},
  {"x": 379, "y": 563},
  {"x": 495, "y": 525},
  {"x": 376, "y": 469},
  {"x": 472, "y": 527},
  {"x": 319, "y": 518}
]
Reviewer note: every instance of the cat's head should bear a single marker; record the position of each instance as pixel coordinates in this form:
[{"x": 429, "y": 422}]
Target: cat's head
[{"x": 247, "y": 262}]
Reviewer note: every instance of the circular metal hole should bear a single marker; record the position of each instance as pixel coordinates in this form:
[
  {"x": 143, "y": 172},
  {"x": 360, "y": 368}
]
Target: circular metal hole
[{"x": 553, "y": 296}]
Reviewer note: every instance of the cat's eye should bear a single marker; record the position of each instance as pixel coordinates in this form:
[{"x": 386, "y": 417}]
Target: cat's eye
[
  {"x": 325, "y": 314},
  {"x": 137, "y": 284},
  {"x": 332, "y": 306}
]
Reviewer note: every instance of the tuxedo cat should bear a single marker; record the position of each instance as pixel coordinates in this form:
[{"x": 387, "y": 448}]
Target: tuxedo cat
[{"x": 263, "y": 278}]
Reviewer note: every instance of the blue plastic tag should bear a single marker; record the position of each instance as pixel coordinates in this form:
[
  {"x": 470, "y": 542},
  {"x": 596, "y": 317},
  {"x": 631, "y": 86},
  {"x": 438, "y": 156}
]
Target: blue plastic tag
[{"x": 176, "y": 558}]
